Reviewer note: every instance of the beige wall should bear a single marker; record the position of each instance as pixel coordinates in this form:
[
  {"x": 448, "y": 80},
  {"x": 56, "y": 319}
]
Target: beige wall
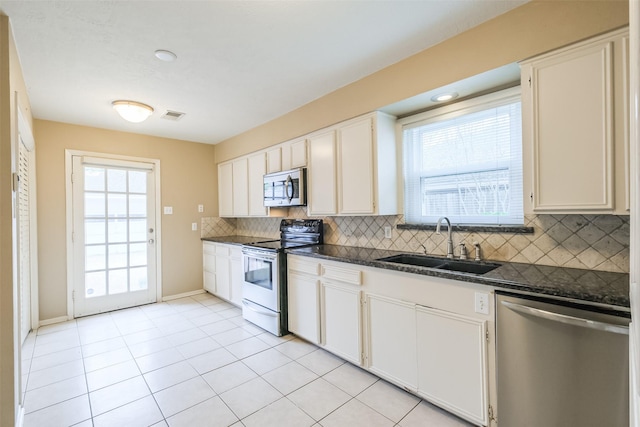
[
  {"x": 533, "y": 28},
  {"x": 188, "y": 178},
  {"x": 11, "y": 83}
]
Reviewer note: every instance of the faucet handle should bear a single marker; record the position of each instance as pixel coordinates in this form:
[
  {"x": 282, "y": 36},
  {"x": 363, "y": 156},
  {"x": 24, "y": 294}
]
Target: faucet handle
[
  {"x": 477, "y": 246},
  {"x": 463, "y": 251}
]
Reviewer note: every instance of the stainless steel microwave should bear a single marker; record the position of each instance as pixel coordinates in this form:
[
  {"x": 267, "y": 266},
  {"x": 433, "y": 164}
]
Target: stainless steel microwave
[{"x": 286, "y": 188}]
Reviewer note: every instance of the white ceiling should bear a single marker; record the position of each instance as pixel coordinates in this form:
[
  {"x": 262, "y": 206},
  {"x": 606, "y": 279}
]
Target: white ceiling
[{"x": 240, "y": 63}]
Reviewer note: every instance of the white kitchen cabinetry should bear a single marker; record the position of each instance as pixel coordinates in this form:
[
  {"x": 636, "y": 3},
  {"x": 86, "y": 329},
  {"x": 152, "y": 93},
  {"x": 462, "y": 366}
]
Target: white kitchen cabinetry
[
  {"x": 298, "y": 153},
  {"x": 303, "y": 289},
  {"x": 321, "y": 175},
  {"x": 274, "y": 160},
  {"x": 354, "y": 172},
  {"x": 341, "y": 312},
  {"x": 391, "y": 340},
  {"x": 225, "y": 189},
  {"x": 237, "y": 275},
  {"x": 240, "y": 187},
  {"x": 209, "y": 266},
  {"x": 452, "y": 362},
  {"x": 573, "y": 102},
  {"x": 257, "y": 169},
  {"x": 223, "y": 273}
]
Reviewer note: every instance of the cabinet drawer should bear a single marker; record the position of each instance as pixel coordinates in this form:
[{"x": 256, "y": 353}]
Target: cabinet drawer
[
  {"x": 209, "y": 248},
  {"x": 346, "y": 275},
  {"x": 304, "y": 266}
]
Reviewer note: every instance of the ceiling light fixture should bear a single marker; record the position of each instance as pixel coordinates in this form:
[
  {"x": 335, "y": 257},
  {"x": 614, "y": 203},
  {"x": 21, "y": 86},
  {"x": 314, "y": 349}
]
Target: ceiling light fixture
[
  {"x": 165, "y": 55},
  {"x": 443, "y": 97},
  {"x": 134, "y": 112}
]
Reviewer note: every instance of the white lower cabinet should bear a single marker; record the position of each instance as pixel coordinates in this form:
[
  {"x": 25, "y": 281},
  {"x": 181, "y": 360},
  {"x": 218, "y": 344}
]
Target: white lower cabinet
[
  {"x": 391, "y": 340},
  {"x": 223, "y": 272},
  {"x": 304, "y": 306},
  {"x": 418, "y": 332},
  {"x": 452, "y": 362},
  {"x": 341, "y": 320}
]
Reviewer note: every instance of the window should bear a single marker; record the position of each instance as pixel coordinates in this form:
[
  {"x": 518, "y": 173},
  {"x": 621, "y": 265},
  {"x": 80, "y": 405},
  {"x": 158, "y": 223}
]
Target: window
[{"x": 464, "y": 161}]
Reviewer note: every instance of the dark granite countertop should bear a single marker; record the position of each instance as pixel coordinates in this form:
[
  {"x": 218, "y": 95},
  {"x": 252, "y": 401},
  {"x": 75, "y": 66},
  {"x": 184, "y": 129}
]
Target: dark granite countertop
[
  {"x": 586, "y": 286},
  {"x": 235, "y": 240}
]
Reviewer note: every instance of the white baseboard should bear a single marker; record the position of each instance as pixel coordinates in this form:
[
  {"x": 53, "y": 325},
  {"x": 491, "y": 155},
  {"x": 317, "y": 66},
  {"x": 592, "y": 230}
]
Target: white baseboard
[
  {"x": 52, "y": 321},
  {"x": 183, "y": 295},
  {"x": 20, "y": 420}
]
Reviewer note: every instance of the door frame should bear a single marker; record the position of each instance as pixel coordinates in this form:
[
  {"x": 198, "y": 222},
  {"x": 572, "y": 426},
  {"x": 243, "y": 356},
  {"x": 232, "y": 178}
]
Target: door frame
[{"x": 68, "y": 165}]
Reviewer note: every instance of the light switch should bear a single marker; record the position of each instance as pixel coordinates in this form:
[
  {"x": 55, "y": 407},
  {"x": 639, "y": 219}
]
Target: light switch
[
  {"x": 200, "y": 208},
  {"x": 168, "y": 210},
  {"x": 194, "y": 226}
]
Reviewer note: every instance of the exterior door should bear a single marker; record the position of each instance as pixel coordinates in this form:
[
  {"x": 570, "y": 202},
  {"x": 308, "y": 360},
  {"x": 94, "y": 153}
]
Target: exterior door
[{"x": 114, "y": 248}]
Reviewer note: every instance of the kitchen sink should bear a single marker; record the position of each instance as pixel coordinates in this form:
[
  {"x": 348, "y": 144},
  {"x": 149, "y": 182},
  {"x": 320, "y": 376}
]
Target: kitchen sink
[
  {"x": 473, "y": 267},
  {"x": 417, "y": 260}
]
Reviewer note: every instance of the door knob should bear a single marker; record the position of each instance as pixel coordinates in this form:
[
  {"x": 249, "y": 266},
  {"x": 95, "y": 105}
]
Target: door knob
[{"x": 151, "y": 241}]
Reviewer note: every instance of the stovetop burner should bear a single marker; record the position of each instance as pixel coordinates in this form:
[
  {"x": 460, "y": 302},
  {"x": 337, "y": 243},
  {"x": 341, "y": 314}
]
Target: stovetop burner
[{"x": 294, "y": 233}]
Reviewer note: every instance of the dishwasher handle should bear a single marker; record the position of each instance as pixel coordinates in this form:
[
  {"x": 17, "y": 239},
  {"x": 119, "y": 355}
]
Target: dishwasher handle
[{"x": 566, "y": 319}]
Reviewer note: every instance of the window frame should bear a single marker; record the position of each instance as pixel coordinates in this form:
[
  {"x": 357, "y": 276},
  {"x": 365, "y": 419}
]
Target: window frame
[{"x": 448, "y": 112}]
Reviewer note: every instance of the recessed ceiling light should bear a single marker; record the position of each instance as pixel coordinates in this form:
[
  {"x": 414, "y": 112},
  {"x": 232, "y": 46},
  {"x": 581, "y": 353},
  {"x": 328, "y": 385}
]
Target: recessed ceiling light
[
  {"x": 443, "y": 97},
  {"x": 165, "y": 55},
  {"x": 132, "y": 111}
]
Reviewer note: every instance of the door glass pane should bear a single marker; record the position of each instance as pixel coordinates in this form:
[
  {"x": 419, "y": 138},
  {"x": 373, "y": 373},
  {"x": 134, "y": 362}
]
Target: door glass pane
[
  {"x": 117, "y": 180},
  {"x": 117, "y": 256},
  {"x": 137, "y": 182},
  {"x": 93, "y": 179},
  {"x": 117, "y": 231},
  {"x": 138, "y": 254},
  {"x": 138, "y": 230},
  {"x": 117, "y": 281},
  {"x": 95, "y": 284},
  {"x": 137, "y": 205},
  {"x": 94, "y": 205},
  {"x": 95, "y": 258},
  {"x": 138, "y": 278},
  {"x": 117, "y": 205},
  {"x": 94, "y": 231}
]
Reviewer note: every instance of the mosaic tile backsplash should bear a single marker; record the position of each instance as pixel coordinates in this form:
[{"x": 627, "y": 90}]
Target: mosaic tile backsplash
[{"x": 595, "y": 242}]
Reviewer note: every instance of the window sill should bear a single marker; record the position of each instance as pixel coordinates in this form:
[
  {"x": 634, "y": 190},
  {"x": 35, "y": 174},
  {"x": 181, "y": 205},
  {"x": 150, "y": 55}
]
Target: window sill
[{"x": 516, "y": 229}]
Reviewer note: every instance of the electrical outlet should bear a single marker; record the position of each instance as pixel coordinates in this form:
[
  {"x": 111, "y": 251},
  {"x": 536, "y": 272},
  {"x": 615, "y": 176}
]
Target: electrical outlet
[
  {"x": 482, "y": 303},
  {"x": 168, "y": 210},
  {"x": 387, "y": 232},
  {"x": 200, "y": 208},
  {"x": 194, "y": 226}
]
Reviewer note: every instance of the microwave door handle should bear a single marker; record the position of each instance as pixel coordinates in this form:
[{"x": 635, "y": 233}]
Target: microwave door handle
[{"x": 288, "y": 182}]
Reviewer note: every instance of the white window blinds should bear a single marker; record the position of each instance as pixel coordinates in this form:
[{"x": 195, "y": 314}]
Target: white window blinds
[{"x": 464, "y": 162}]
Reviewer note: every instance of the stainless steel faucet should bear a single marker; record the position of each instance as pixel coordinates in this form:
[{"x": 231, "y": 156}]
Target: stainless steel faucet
[{"x": 449, "y": 241}]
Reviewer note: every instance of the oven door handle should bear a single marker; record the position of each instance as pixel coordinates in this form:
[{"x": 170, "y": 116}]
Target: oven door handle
[{"x": 253, "y": 307}]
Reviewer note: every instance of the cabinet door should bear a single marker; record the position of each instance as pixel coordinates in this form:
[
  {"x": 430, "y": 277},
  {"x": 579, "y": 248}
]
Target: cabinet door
[
  {"x": 391, "y": 340},
  {"x": 355, "y": 168},
  {"x": 321, "y": 184},
  {"x": 304, "y": 306},
  {"x": 299, "y": 153},
  {"x": 571, "y": 114},
  {"x": 341, "y": 324},
  {"x": 452, "y": 365},
  {"x": 257, "y": 169},
  {"x": 274, "y": 160},
  {"x": 209, "y": 266},
  {"x": 237, "y": 276},
  {"x": 240, "y": 188},
  {"x": 223, "y": 277},
  {"x": 225, "y": 189}
]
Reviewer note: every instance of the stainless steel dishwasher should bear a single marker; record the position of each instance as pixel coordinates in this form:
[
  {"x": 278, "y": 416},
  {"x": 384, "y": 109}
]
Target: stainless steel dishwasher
[{"x": 560, "y": 364}]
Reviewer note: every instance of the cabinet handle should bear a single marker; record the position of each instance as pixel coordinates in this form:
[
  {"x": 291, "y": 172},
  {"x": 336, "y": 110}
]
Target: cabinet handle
[{"x": 566, "y": 319}]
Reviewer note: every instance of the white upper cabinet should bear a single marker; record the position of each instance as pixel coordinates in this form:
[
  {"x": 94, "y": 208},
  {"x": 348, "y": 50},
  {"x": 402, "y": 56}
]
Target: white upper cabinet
[
  {"x": 298, "y": 153},
  {"x": 240, "y": 187},
  {"x": 321, "y": 175},
  {"x": 355, "y": 174},
  {"x": 225, "y": 189},
  {"x": 274, "y": 160},
  {"x": 572, "y": 101},
  {"x": 257, "y": 169}
]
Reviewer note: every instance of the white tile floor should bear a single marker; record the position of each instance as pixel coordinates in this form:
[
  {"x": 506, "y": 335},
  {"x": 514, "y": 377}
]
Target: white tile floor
[{"x": 195, "y": 362}]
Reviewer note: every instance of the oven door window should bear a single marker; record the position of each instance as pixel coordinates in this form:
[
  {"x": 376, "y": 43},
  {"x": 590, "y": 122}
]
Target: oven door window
[{"x": 258, "y": 272}]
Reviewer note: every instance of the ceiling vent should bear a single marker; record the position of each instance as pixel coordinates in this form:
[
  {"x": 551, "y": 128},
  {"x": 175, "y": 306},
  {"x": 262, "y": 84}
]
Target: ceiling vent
[{"x": 173, "y": 115}]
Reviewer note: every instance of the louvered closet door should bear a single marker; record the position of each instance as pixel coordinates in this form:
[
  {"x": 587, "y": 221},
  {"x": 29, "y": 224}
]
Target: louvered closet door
[{"x": 24, "y": 268}]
